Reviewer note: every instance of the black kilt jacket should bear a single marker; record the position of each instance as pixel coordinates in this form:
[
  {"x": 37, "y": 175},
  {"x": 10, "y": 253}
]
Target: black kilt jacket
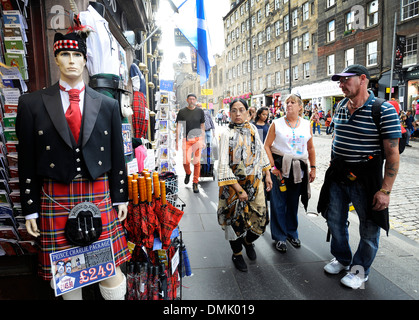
[{"x": 47, "y": 148}]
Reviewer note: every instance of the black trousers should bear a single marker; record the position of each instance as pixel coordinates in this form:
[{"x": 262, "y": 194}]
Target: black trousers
[{"x": 236, "y": 245}]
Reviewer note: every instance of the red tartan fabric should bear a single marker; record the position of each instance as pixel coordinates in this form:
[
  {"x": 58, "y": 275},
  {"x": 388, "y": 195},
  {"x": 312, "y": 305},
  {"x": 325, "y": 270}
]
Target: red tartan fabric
[
  {"x": 54, "y": 217},
  {"x": 139, "y": 122}
]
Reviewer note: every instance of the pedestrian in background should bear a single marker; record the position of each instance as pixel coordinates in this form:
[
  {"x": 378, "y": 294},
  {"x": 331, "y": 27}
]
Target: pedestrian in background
[
  {"x": 355, "y": 175},
  {"x": 252, "y": 114},
  {"x": 242, "y": 211},
  {"x": 261, "y": 122},
  {"x": 315, "y": 121},
  {"x": 290, "y": 149},
  {"x": 193, "y": 121},
  {"x": 209, "y": 124}
]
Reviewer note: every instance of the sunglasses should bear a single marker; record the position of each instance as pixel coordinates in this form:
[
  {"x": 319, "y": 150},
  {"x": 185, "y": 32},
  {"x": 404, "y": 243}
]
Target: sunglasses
[{"x": 345, "y": 79}]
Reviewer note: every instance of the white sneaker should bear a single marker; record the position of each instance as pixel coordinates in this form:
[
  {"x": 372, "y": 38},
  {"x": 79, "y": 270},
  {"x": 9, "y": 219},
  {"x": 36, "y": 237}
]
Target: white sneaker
[
  {"x": 353, "y": 281},
  {"x": 334, "y": 267}
]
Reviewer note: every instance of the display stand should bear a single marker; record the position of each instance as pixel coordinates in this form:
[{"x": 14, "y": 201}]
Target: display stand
[
  {"x": 165, "y": 131},
  {"x": 158, "y": 253},
  {"x": 17, "y": 249}
]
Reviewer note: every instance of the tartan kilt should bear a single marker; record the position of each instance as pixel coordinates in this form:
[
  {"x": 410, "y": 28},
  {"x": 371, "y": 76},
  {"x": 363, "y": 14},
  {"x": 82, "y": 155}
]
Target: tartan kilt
[{"x": 53, "y": 218}]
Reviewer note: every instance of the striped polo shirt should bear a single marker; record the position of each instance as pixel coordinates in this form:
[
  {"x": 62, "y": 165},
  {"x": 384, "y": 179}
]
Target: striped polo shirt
[{"x": 356, "y": 136}]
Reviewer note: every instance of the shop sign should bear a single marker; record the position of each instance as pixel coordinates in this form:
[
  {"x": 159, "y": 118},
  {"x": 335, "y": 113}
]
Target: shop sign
[
  {"x": 166, "y": 85},
  {"x": 180, "y": 39},
  {"x": 206, "y": 92},
  {"x": 412, "y": 75},
  {"x": 78, "y": 267}
]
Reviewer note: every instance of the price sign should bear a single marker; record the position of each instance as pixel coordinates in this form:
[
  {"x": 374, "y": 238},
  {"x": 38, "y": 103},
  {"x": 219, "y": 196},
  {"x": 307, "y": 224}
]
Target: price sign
[{"x": 81, "y": 266}]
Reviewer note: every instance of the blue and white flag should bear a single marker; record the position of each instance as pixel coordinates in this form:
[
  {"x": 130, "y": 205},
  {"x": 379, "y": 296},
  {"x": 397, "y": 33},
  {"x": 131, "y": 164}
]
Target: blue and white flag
[{"x": 192, "y": 22}]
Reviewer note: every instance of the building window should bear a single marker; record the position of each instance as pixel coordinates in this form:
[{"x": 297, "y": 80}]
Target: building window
[
  {"x": 254, "y": 63},
  {"x": 287, "y": 49},
  {"x": 295, "y": 18},
  {"x": 277, "y": 53},
  {"x": 277, "y": 4},
  {"x": 268, "y": 57},
  {"x": 269, "y": 81},
  {"x": 287, "y": 75},
  {"x": 372, "y": 13},
  {"x": 331, "y": 65},
  {"x": 261, "y": 83},
  {"x": 306, "y": 12},
  {"x": 259, "y": 15},
  {"x": 267, "y": 9},
  {"x": 306, "y": 41},
  {"x": 295, "y": 46},
  {"x": 411, "y": 51},
  {"x": 268, "y": 34},
  {"x": 372, "y": 53},
  {"x": 286, "y": 23},
  {"x": 306, "y": 70},
  {"x": 277, "y": 78},
  {"x": 410, "y": 8},
  {"x": 277, "y": 28},
  {"x": 331, "y": 31},
  {"x": 260, "y": 59},
  {"x": 349, "y": 57},
  {"x": 260, "y": 38},
  {"x": 295, "y": 72},
  {"x": 330, "y": 3},
  {"x": 349, "y": 21},
  {"x": 244, "y": 67}
]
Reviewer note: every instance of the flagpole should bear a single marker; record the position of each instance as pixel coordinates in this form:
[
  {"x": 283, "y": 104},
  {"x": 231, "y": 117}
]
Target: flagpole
[{"x": 392, "y": 55}]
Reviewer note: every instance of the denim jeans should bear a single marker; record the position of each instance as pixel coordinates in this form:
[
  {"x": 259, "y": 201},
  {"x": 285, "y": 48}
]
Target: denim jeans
[
  {"x": 314, "y": 127},
  {"x": 337, "y": 215},
  {"x": 284, "y": 210}
]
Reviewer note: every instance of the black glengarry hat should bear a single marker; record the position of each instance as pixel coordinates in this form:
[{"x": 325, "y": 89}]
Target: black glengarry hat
[
  {"x": 352, "y": 70},
  {"x": 73, "y": 40}
]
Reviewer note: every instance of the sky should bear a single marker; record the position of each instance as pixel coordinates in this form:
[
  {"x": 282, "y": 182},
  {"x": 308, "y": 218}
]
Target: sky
[{"x": 215, "y": 11}]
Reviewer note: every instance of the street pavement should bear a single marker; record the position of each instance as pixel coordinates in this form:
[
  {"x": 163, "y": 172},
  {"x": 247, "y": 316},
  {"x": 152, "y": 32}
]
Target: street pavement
[{"x": 298, "y": 274}]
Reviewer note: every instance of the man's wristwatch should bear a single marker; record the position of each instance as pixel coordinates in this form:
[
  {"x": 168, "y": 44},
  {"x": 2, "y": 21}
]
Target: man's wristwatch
[{"x": 385, "y": 191}]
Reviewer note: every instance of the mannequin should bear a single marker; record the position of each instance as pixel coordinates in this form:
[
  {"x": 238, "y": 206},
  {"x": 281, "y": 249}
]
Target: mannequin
[{"x": 52, "y": 157}]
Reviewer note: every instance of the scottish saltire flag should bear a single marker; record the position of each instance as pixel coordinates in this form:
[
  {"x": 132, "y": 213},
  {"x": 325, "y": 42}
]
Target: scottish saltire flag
[{"x": 192, "y": 23}]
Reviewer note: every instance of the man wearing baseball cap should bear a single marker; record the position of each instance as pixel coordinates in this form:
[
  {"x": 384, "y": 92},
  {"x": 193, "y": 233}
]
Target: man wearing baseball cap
[
  {"x": 355, "y": 174},
  {"x": 352, "y": 70}
]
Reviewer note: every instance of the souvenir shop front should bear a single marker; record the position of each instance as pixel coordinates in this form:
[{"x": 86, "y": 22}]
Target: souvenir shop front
[
  {"x": 119, "y": 68},
  {"x": 323, "y": 94}
]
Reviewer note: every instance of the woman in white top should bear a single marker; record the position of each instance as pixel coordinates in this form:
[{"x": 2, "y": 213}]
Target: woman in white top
[{"x": 290, "y": 149}]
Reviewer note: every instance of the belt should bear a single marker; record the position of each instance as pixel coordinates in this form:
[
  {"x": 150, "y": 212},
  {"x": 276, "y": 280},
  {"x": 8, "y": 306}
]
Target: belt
[{"x": 105, "y": 82}]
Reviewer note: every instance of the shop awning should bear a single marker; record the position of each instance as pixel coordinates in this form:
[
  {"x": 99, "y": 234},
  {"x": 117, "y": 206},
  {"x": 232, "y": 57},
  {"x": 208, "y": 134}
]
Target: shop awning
[{"x": 317, "y": 90}]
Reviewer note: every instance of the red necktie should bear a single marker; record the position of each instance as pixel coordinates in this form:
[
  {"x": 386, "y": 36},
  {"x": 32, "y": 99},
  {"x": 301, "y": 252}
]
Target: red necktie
[{"x": 73, "y": 113}]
